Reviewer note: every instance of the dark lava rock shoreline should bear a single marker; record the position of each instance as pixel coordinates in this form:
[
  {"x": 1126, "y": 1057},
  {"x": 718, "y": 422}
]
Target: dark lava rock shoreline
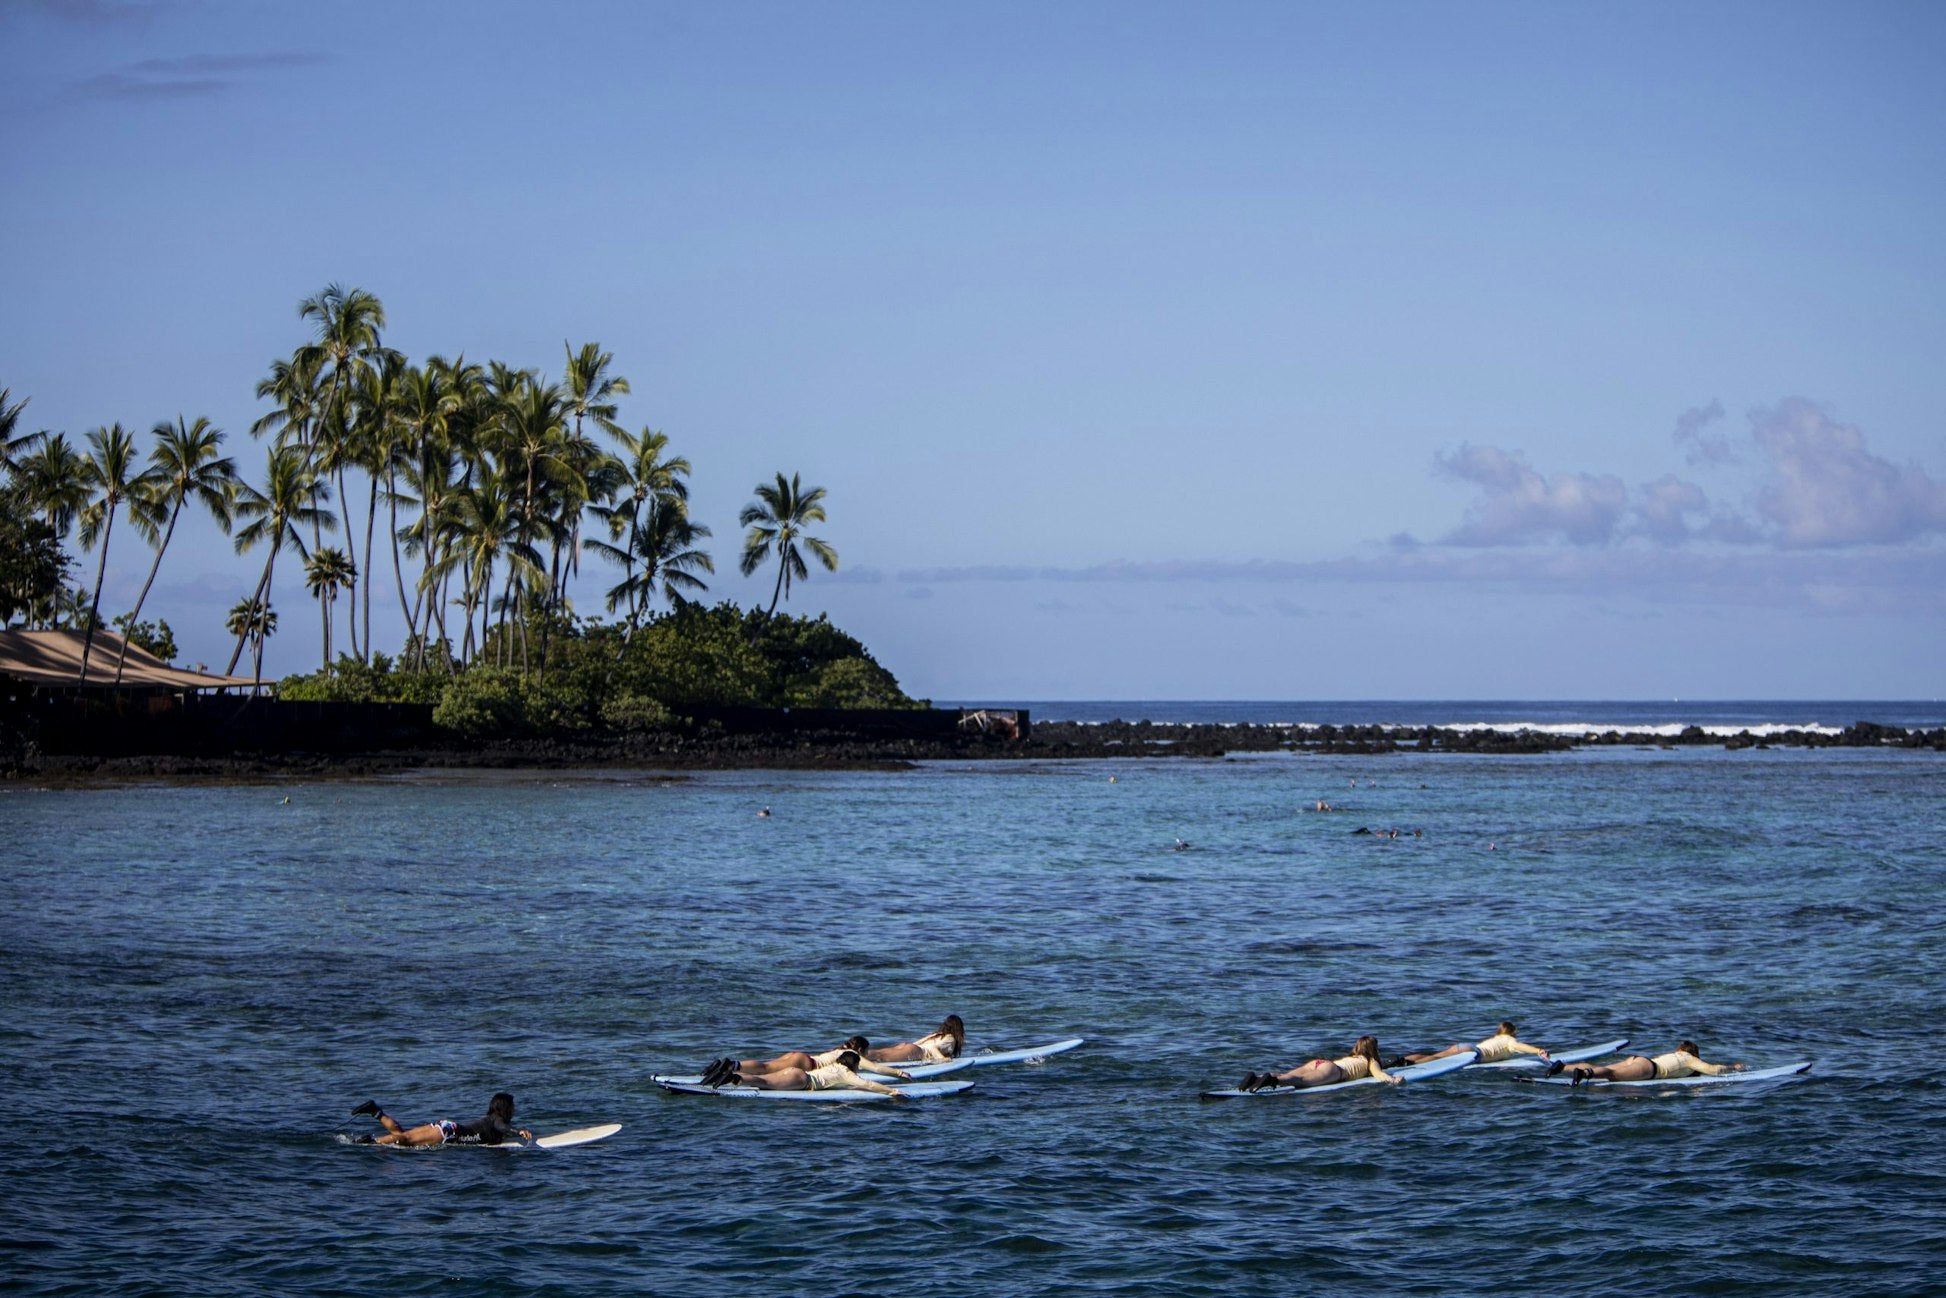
[{"x": 815, "y": 750}]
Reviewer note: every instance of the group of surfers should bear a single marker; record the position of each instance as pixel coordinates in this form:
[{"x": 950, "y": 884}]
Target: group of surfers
[
  {"x": 794, "y": 1070},
  {"x": 1364, "y": 1061},
  {"x": 846, "y": 1065}
]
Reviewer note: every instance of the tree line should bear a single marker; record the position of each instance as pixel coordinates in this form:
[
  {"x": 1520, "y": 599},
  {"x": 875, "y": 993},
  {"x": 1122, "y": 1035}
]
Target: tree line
[{"x": 468, "y": 491}]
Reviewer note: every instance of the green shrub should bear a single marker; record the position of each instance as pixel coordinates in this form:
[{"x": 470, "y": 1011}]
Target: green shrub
[
  {"x": 629, "y": 713},
  {"x": 483, "y": 703}
]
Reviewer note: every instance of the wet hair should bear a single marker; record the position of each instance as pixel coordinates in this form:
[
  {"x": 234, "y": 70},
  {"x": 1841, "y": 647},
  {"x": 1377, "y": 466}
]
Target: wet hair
[
  {"x": 501, "y": 1106},
  {"x": 1366, "y": 1046},
  {"x": 1508, "y": 1028},
  {"x": 1689, "y": 1046},
  {"x": 951, "y": 1026},
  {"x": 857, "y": 1043},
  {"x": 849, "y": 1059}
]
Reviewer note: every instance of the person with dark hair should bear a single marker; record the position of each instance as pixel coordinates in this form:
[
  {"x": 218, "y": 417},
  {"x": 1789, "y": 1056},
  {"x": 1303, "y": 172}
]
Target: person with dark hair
[
  {"x": 804, "y": 1061},
  {"x": 947, "y": 1041},
  {"x": 1503, "y": 1044},
  {"x": 1361, "y": 1063},
  {"x": 493, "y": 1129},
  {"x": 1684, "y": 1061},
  {"x": 840, "y": 1073}
]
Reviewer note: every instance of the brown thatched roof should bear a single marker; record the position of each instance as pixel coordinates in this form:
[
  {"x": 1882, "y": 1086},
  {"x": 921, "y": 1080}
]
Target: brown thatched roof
[{"x": 54, "y": 658}]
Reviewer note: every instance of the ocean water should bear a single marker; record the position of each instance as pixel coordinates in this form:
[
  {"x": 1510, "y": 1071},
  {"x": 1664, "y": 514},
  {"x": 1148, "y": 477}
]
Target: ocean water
[
  {"x": 1569, "y": 717},
  {"x": 200, "y": 982}
]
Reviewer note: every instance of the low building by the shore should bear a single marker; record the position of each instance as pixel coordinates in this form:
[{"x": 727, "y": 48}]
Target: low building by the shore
[{"x": 52, "y": 661}]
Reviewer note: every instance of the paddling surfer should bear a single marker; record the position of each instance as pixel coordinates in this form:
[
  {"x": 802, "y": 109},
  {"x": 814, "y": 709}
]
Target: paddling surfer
[
  {"x": 493, "y": 1129},
  {"x": 803, "y": 1061},
  {"x": 1361, "y": 1063},
  {"x": 1683, "y": 1061},
  {"x": 947, "y": 1041},
  {"x": 840, "y": 1074},
  {"x": 1503, "y": 1044},
  {"x": 937, "y": 1047}
]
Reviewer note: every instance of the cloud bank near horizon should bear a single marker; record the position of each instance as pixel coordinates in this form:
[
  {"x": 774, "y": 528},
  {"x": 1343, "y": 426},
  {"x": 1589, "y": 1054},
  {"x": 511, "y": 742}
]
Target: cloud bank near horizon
[
  {"x": 1823, "y": 524},
  {"x": 1818, "y": 486}
]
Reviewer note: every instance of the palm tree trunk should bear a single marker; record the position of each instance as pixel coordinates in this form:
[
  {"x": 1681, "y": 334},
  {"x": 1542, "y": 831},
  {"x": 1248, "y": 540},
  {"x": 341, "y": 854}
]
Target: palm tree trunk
[
  {"x": 783, "y": 566},
  {"x": 398, "y": 569},
  {"x": 94, "y": 608},
  {"x": 262, "y": 616},
  {"x": 141, "y": 599},
  {"x": 243, "y": 636},
  {"x": 371, "y": 522},
  {"x": 351, "y": 545}
]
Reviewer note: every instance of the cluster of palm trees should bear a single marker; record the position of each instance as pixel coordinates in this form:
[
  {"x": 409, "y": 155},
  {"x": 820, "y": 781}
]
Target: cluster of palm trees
[{"x": 486, "y": 476}]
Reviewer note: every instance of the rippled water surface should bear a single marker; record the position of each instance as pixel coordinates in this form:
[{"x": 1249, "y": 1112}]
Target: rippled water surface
[{"x": 200, "y": 983}]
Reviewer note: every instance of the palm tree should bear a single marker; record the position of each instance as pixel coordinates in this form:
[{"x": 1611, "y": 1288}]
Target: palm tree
[
  {"x": 348, "y": 321},
  {"x": 376, "y": 446},
  {"x": 285, "y": 504},
  {"x": 488, "y": 528},
  {"x": 111, "y": 471},
  {"x": 777, "y": 519},
  {"x": 425, "y": 402},
  {"x": 327, "y": 572},
  {"x": 247, "y": 618},
  {"x": 650, "y": 487},
  {"x": 9, "y": 420},
  {"x": 183, "y": 464},
  {"x": 55, "y": 480},
  {"x": 664, "y": 543},
  {"x": 591, "y": 391},
  {"x": 296, "y": 386}
]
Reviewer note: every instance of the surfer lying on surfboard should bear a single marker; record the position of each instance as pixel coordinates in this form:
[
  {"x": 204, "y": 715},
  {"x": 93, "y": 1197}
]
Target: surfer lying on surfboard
[
  {"x": 803, "y": 1061},
  {"x": 947, "y": 1041},
  {"x": 1362, "y": 1062},
  {"x": 841, "y": 1073},
  {"x": 493, "y": 1129},
  {"x": 937, "y": 1047},
  {"x": 1503, "y": 1044},
  {"x": 1683, "y": 1061}
]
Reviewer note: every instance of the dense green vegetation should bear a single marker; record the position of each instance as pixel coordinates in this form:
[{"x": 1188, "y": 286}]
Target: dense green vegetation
[
  {"x": 468, "y": 491},
  {"x": 602, "y": 678}
]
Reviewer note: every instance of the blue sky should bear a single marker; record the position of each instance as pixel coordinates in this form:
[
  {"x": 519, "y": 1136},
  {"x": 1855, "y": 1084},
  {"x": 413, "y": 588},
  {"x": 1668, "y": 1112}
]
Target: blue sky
[{"x": 1145, "y": 351}]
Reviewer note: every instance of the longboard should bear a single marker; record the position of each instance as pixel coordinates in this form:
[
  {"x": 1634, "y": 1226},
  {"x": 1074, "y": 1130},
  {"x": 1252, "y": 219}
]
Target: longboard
[
  {"x": 1701, "y": 1079},
  {"x": 1565, "y": 1056},
  {"x": 559, "y": 1140},
  {"x": 1410, "y": 1073},
  {"x": 918, "y": 1071},
  {"x": 916, "y": 1090},
  {"x": 579, "y": 1136},
  {"x": 1017, "y": 1056}
]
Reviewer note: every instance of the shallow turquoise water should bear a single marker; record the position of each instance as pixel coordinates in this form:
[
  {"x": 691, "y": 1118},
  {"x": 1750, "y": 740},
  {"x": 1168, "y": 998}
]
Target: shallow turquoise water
[{"x": 200, "y": 983}]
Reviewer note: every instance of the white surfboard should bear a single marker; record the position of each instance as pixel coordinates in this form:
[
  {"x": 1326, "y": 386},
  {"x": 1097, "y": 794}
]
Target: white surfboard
[
  {"x": 1701, "y": 1079},
  {"x": 1574, "y": 1056},
  {"x": 579, "y": 1136},
  {"x": 559, "y": 1140},
  {"x": 984, "y": 1058},
  {"x": 913, "y": 1090},
  {"x": 918, "y": 1072},
  {"x": 1410, "y": 1073}
]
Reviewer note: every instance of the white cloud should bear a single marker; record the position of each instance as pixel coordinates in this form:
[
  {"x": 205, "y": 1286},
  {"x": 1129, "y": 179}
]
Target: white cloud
[
  {"x": 1520, "y": 507},
  {"x": 1823, "y": 488}
]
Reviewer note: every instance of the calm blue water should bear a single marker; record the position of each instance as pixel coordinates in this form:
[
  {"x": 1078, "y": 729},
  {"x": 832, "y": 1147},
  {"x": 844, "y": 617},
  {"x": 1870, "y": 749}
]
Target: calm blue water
[{"x": 200, "y": 983}]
